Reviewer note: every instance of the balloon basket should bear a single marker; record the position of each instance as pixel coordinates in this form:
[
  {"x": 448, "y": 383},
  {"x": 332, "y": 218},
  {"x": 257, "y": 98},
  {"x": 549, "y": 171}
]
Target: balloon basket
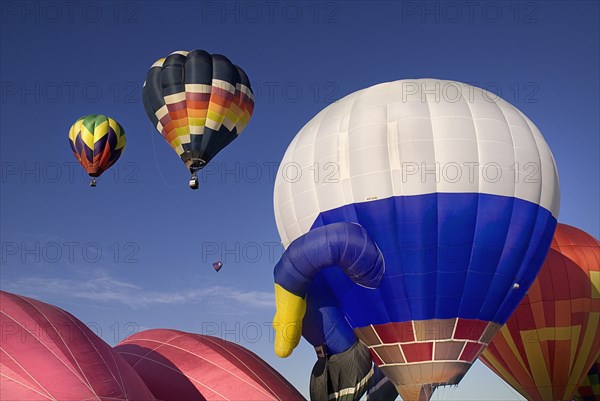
[{"x": 193, "y": 183}]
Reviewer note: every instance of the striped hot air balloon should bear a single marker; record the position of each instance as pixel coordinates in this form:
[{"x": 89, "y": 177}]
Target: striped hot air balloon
[
  {"x": 459, "y": 191},
  {"x": 199, "y": 103},
  {"x": 549, "y": 343},
  {"x": 589, "y": 390},
  {"x": 97, "y": 142}
]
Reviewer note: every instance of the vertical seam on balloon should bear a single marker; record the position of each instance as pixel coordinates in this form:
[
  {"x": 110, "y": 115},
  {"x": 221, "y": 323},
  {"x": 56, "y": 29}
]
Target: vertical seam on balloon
[
  {"x": 525, "y": 262},
  {"x": 268, "y": 367},
  {"x": 292, "y": 199},
  {"x": 180, "y": 372},
  {"x": 513, "y": 200},
  {"x": 95, "y": 349},
  {"x": 169, "y": 343},
  {"x": 380, "y": 291},
  {"x": 475, "y": 223},
  {"x": 113, "y": 355},
  {"x": 22, "y": 384},
  {"x": 207, "y": 338},
  {"x": 260, "y": 361},
  {"x": 52, "y": 352},
  {"x": 437, "y": 215},
  {"x": 47, "y": 395}
]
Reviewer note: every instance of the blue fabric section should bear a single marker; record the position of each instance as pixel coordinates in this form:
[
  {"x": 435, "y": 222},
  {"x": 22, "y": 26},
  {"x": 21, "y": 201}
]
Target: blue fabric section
[
  {"x": 324, "y": 323},
  {"x": 341, "y": 244},
  {"x": 446, "y": 255}
]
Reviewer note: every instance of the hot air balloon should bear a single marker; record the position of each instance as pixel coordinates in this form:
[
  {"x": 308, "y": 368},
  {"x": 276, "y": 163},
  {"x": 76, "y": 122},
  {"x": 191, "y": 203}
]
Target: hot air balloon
[
  {"x": 217, "y": 265},
  {"x": 553, "y": 337},
  {"x": 97, "y": 142},
  {"x": 589, "y": 390},
  {"x": 183, "y": 366},
  {"x": 459, "y": 192},
  {"x": 199, "y": 103},
  {"x": 47, "y": 354}
]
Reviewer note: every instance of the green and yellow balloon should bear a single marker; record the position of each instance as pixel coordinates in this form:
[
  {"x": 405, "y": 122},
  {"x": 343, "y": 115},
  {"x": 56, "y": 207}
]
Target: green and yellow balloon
[{"x": 97, "y": 142}]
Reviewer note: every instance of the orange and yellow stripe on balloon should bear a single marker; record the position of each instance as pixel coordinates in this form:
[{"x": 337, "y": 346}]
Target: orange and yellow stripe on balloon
[{"x": 553, "y": 337}]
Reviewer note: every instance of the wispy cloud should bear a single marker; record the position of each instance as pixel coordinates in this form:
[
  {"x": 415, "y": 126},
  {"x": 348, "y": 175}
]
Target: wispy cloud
[{"x": 104, "y": 289}]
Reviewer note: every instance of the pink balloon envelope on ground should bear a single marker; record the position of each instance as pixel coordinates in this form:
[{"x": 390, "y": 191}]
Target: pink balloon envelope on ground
[
  {"x": 184, "y": 366},
  {"x": 47, "y": 354}
]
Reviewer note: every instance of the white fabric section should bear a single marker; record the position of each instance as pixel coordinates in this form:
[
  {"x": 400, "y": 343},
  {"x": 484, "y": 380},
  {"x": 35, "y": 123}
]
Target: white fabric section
[
  {"x": 218, "y": 83},
  {"x": 175, "y": 98},
  {"x": 411, "y": 137},
  {"x": 163, "y": 111},
  {"x": 245, "y": 90},
  {"x": 157, "y": 63},
  {"x": 198, "y": 88}
]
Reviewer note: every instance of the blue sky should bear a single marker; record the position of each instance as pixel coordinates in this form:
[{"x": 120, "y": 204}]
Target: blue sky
[{"x": 136, "y": 251}]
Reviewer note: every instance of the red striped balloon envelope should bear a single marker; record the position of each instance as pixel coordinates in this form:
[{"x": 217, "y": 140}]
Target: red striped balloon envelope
[
  {"x": 47, "y": 354},
  {"x": 184, "y": 366},
  {"x": 552, "y": 339}
]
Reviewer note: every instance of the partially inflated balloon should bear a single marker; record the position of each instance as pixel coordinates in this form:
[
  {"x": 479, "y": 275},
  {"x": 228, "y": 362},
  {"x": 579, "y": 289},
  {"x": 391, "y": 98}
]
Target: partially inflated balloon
[
  {"x": 344, "y": 369},
  {"x": 551, "y": 340},
  {"x": 459, "y": 191},
  {"x": 47, "y": 354},
  {"x": 199, "y": 103},
  {"x": 180, "y": 366},
  {"x": 97, "y": 142},
  {"x": 589, "y": 390}
]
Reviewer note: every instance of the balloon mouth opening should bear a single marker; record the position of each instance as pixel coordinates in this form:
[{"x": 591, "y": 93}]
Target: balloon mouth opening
[
  {"x": 94, "y": 175},
  {"x": 195, "y": 165}
]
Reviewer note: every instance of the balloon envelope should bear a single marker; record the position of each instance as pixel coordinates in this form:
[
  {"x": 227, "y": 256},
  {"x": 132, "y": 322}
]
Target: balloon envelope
[
  {"x": 551, "y": 340},
  {"x": 97, "y": 142},
  {"x": 460, "y": 192},
  {"x": 184, "y": 366},
  {"x": 198, "y": 102},
  {"x": 46, "y": 353}
]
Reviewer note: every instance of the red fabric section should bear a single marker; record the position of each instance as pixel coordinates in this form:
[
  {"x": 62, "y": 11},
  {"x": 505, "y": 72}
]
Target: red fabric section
[
  {"x": 471, "y": 352},
  {"x": 395, "y": 332},
  {"x": 467, "y": 329},
  {"x": 418, "y": 352},
  {"x": 183, "y": 366},
  {"x": 48, "y": 354}
]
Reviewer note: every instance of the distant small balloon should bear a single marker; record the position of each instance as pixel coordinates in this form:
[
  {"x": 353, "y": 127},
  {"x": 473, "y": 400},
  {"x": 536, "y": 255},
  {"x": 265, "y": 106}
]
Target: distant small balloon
[{"x": 217, "y": 265}]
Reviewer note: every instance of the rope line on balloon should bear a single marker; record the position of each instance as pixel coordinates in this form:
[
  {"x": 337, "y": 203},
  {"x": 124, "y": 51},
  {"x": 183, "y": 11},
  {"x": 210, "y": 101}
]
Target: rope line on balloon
[{"x": 158, "y": 164}]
